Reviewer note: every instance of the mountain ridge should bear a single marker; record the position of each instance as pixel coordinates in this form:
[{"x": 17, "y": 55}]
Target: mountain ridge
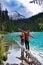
[{"x": 34, "y": 23}]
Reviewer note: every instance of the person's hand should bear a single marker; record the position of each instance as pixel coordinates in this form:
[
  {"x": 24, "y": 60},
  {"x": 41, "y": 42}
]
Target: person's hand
[
  {"x": 32, "y": 36},
  {"x": 19, "y": 29}
]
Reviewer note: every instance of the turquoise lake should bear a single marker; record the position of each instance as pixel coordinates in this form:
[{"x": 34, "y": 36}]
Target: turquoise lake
[{"x": 36, "y": 42}]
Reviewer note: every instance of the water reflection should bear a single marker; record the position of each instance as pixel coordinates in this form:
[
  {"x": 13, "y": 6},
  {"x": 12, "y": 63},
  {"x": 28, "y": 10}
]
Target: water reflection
[{"x": 13, "y": 52}]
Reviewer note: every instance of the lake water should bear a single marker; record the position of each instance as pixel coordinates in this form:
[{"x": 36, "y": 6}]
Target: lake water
[{"x": 36, "y": 44}]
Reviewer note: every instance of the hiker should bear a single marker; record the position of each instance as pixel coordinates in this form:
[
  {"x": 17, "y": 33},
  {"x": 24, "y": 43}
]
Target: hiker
[
  {"x": 27, "y": 35},
  {"x": 22, "y": 38},
  {"x": 26, "y": 40},
  {"x": 22, "y": 43}
]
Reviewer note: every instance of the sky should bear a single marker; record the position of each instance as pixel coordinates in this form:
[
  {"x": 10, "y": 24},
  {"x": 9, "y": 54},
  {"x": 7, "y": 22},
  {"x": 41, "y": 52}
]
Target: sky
[{"x": 24, "y": 7}]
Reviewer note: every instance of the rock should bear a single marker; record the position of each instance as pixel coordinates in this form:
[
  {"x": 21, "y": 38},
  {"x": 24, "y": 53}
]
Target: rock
[
  {"x": 11, "y": 64},
  {"x": 6, "y": 48},
  {"x": 7, "y": 64},
  {"x": 21, "y": 64},
  {"x": 1, "y": 64},
  {"x": 14, "y": 64},
  {"x": 4, "y": 58}
]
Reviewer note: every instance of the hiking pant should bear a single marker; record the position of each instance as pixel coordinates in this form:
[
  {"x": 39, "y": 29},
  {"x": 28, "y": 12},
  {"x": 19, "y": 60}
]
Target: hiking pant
[
  {"x": 22, "y": 41},
  {"x": 27, "y": 44}
]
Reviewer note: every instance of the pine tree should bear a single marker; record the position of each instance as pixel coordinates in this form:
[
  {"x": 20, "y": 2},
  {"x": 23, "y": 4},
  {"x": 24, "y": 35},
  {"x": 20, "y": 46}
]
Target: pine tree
[
  {"x": 37, "y": 2},
  {"x": 0, "y": 9}
]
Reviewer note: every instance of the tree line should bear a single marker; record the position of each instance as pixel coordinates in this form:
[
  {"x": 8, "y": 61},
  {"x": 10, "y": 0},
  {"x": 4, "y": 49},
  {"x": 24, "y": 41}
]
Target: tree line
[{"x": 34, "y": 23}]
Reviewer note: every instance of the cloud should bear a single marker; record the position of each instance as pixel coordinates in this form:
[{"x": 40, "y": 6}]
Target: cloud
[
  {"x": 35, "y": 8},
  {"x": 23, "y": 11},
  {"x": 13, "y": 5},
  {"x": 22, "y": 6}
]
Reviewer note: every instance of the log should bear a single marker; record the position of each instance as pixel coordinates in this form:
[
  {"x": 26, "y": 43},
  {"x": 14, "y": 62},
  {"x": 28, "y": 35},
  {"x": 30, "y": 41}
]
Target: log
[{"x": 35, "y": 61}]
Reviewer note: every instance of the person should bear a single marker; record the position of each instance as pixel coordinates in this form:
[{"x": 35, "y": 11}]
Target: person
[
  {"x": 27, "y": 35},
  {"x": 22, "y": 43},
  {"x": 22, "y": 38}
]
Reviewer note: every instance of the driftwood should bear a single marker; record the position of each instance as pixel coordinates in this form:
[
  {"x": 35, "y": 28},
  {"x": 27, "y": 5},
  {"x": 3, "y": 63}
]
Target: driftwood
[{"x": 34, "y": 60}]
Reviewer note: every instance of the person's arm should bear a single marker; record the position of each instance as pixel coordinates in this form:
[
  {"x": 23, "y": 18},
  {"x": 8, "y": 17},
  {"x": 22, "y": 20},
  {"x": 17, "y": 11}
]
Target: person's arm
[
  {"x": 28, "y": 30},
  {"x": 21, "y": 30},
  {"x": 31, "y": 35}
]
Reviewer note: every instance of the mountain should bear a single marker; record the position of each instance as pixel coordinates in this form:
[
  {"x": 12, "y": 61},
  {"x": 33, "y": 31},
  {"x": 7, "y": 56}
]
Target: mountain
[
  {"x": 37, "y": 17},
  {"x": 34, "y": 23},
  {"x": 16, "y": 15}
]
